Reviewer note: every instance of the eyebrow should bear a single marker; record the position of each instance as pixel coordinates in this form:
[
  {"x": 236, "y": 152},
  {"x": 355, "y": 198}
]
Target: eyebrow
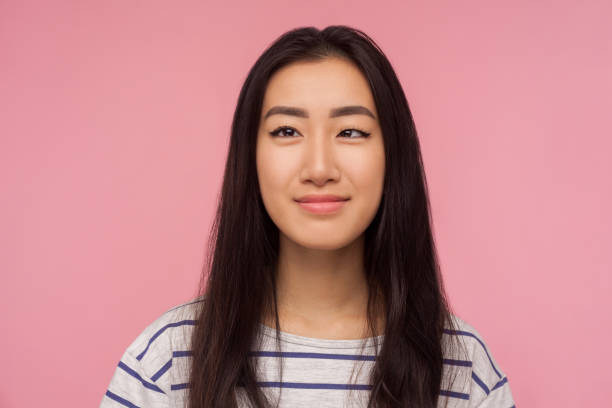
[{"x": 299, "y": 112}]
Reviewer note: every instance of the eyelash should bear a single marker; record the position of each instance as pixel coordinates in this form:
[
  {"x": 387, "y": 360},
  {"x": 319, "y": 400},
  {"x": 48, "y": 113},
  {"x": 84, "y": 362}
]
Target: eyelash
[{"x": 276, "y": 131}]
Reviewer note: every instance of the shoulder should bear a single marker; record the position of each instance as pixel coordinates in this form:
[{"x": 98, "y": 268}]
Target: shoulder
[
  {"x": 146, "y": 375},
  {"x": 478, "y": 351},
  {"x": 488, "y": 380},
  {"x": 164, "y": 336}
]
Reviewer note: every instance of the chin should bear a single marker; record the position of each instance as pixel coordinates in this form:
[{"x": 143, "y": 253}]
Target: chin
[{"x": 324, "y": 243}]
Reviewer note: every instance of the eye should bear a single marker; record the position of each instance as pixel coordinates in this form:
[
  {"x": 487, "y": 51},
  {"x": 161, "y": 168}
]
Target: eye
[
  {"x": 278, "y": 130},
  {"x": 292, "y": 131},
  {"x": 363, "y": 132}
]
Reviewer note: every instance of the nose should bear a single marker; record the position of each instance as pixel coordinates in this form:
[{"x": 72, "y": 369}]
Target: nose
[{"x": 319, "y": 160}]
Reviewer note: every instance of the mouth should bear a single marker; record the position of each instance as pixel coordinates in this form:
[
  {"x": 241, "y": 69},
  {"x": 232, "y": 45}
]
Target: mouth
[
  {"x": 317, "y": 198},
  {"x": 323, "y": 207}
]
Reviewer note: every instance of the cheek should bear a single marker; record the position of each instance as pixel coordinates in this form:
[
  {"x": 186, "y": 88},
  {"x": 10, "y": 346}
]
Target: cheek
[
  {"x": 274, "y": 172},
  {"x": 366, "y": 171}
]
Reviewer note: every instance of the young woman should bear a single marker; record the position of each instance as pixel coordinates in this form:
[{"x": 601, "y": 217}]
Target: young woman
[{"x": 322, "y": 286}]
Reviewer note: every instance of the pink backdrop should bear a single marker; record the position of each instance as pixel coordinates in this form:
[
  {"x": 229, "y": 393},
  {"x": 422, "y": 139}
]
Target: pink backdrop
[{"x": 114, "y": 122}]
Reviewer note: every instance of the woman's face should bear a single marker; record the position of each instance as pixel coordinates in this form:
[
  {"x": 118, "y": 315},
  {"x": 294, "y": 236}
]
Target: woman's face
[{"x": 317, "y": 151}]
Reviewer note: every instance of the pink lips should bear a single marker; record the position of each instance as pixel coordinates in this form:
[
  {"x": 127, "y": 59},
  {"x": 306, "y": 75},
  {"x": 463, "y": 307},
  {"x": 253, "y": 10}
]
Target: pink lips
[{"x": 322, "y": 204}]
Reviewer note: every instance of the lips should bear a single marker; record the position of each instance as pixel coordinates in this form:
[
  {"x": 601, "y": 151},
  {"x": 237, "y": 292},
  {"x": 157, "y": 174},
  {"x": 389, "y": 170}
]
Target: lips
[
  {"x": 320, "y": 198},
  {"x": 322, "y": 204}
]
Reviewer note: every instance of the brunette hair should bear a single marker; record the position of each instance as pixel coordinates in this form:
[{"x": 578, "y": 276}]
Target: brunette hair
[{"x": 238, "y": 280}]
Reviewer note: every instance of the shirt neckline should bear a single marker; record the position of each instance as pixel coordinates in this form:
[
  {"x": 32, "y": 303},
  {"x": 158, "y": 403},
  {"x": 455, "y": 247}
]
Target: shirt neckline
[{"x": 318, "y": 342}]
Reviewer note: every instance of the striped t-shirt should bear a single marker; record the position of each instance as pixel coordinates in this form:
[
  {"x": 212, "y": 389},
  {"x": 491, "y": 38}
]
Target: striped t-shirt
[{"x": 153, "y": 371}]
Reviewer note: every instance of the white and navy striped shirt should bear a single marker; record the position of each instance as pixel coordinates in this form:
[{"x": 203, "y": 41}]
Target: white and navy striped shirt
[{"x": 153, "y": 371}]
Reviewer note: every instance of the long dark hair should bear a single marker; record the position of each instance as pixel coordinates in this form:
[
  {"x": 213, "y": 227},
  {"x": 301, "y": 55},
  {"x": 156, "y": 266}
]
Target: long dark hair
[{"x": 238, "y": 280}]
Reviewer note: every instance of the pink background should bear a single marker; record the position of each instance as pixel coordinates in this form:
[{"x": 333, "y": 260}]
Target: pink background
[{"x": 114, "y": 122}]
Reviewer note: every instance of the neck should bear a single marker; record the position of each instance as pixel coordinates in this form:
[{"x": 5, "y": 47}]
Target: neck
[{"x": 322, "y": 293}]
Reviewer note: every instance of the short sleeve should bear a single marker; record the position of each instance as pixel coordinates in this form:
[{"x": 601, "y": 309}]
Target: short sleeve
[
  {"x": 490, "y": 387},
  {"x": 153, "y": 369},
  {"x": 131, "y": 387}
]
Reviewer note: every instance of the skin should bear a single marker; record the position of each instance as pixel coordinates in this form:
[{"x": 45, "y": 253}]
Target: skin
[{"x": 322, "y": 291}]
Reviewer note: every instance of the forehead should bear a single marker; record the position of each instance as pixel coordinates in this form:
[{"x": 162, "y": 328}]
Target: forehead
[{"x": 318, "y": 86}]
